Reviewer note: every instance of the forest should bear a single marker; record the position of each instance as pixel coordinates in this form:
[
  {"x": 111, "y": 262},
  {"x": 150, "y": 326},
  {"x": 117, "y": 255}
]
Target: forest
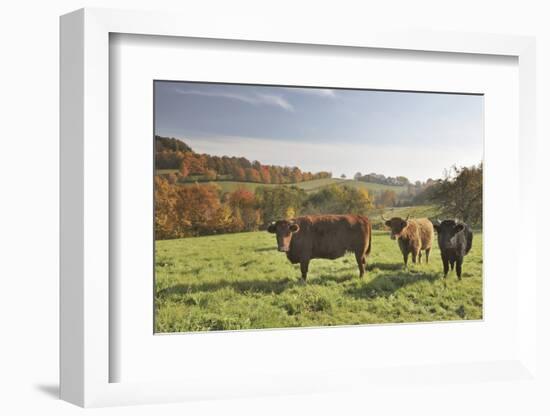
[
  {"x": 174, "y": 154},
  {"x": 191, "y": 201}
]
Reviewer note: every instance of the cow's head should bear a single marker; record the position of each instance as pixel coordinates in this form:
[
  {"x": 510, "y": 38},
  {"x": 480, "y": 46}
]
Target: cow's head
[
  {"x": 447, "y": 231},
  {"x": 283, "y": 230},
  {"x": 396, "y": 225}
]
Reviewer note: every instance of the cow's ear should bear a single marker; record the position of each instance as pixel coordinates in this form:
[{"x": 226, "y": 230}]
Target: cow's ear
[
  {"x": 388, "y": 223},
  {"x": 294, "y": 228},
  {"x": 436, "y": 227},
  {"x": 271, "y": 228},
  {"x": 459, "y": 228}
]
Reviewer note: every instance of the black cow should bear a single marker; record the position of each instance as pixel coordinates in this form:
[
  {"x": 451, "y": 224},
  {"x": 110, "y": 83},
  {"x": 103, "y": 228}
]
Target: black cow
[{"x": 455, "y": 241}]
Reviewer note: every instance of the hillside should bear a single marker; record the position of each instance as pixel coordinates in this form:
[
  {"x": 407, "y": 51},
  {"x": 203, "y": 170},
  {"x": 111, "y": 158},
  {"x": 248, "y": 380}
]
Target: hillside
[
  {"x": 313, "y": 185},
  {"x": 174, "y": 157}
]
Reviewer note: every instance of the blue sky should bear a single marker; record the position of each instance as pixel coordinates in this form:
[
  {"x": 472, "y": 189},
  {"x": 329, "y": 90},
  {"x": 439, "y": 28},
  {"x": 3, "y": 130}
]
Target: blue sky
[{"x": 417, "y": 135}]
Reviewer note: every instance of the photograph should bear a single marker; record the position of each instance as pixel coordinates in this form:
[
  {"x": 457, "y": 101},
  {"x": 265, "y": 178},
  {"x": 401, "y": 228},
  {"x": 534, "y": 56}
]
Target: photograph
[{"x": 292, "y": 206}]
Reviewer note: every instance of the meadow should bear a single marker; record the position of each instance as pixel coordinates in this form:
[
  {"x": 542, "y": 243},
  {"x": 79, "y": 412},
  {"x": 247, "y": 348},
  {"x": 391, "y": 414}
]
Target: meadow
[{"x": 240, "y": 281}]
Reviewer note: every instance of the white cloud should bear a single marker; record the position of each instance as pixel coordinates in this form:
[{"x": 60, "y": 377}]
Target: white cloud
[
  {"x": 318, "y": 92},
  {"x": 416, "y": 163},
  {"x": 253, "y": 99},
  {"x": 276, "y": 101}
]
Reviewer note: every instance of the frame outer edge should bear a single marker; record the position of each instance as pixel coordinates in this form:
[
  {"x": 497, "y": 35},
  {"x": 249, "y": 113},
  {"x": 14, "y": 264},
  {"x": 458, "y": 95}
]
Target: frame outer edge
[
  {"x": 71, "y": 202},
  {"x": 528, "y": 199},
  {"x": 84, "y": 152},
  {"x": 95, "y": 194}
]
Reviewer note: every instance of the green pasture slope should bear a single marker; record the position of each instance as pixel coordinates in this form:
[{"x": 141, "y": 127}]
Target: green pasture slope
[
  {"x": 240, "y": 281},
  {"x": 308, "y": 186}
]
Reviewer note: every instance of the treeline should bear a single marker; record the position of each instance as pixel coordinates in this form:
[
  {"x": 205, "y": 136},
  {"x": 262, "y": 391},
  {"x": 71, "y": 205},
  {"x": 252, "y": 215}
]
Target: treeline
[
  {"x": 458, "y": 195},
  {"x": 381, "y": 179},
  {"x": 389, "y": 197},
  {"x": 185, "y": 207},
  {"x": 203, "y": 209},
  {"x": 172, "y": 153}
]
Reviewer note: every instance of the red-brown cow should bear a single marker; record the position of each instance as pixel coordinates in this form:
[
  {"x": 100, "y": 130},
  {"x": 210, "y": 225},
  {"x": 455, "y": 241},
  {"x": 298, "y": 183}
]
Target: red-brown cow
[{"x": 323, "y": 237}]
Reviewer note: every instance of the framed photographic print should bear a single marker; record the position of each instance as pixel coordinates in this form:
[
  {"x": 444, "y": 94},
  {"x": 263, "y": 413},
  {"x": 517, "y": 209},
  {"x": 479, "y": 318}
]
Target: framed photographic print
[
  {"x": 235, "y": 163},
  {"x": 269, "y": 213}
]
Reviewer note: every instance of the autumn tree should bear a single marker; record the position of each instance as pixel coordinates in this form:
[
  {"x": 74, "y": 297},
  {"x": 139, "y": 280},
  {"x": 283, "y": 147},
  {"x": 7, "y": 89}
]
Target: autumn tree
[
  {"x": 336, "y": 199},
  {"x": 280, "y": 202},
  {"x": 386, "y": 198},
  {"x": 296, "y": 175},
  {"x": 238, "y": 173},
  {"x": 183, "y": 169},
  {"x": 195, "y": 163},
  {"x": 210, "y": 175},
  {"x": 244, "y": 209},
  {"x": 172, "y": 178},
  {"x": 460, "y": 194},
  {"x": 170, "y": 144},
  {"x": 265, "y": 175},
  {"x": 165, "y": 209},
  {"x": 252, "y": 175}
]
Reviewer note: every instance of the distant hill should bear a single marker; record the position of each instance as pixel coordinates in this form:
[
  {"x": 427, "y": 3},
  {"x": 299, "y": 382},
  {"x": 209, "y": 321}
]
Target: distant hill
[
  {"x": 175, "y": 155},
  {"x": 313, "y": 185}
]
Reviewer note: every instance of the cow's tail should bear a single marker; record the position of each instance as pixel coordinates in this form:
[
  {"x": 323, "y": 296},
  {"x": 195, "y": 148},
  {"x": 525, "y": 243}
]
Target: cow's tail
[
  {"x": 469, "y": 240},
  {"x": 370, "y": 239}
]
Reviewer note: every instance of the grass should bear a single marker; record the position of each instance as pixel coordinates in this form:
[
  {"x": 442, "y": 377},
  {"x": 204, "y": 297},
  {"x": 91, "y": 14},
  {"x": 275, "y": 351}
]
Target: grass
[
  {"x": 309, "y": 186},
  {"x": 418, "y": 211},
  {"x": 240, "y": 281},
  {"x": 371, "y": 186}
]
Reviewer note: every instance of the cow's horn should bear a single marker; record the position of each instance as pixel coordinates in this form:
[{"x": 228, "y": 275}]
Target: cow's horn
[
  {"x": 408, "y": 216},
  {"x": 383, "y": 219},
  {"x": 438, "y": 221}
]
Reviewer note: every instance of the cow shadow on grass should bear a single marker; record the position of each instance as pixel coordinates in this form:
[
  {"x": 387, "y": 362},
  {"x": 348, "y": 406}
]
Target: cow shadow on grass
[
  {"x": 262, "y": 249},
  {"x": 381, "y": 286},
  {"x": 385, "y": 266},
  {"x": 384, "y": 286},
  {"x": 325, "y": 278},
  {"x": 272, "y": 286}
]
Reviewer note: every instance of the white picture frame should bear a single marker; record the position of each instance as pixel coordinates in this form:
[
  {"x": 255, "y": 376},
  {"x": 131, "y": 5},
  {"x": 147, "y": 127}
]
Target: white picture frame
[{"x": 85, "y": 353}]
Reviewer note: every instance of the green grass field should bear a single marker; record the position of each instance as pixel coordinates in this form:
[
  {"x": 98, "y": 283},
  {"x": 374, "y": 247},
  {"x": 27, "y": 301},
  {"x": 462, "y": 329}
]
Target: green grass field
[{"x": 240, "y": 281}]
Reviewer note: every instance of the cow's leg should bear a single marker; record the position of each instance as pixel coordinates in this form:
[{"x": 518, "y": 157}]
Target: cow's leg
[
  {"x": 414, "y": 254},
  {"x": 428, "y": 254},
  {"x": 420, "y": 256},
  {"x": 459, "y": 267},
  {"x": 452, "y": 264},
  {"x": 359, "y": 256},
  {"x": 365, "y": 261},
  {"x": 406, "y": 258},
  {"x": 304, "y": 265},
  {"x": 445, "y": 265}
]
